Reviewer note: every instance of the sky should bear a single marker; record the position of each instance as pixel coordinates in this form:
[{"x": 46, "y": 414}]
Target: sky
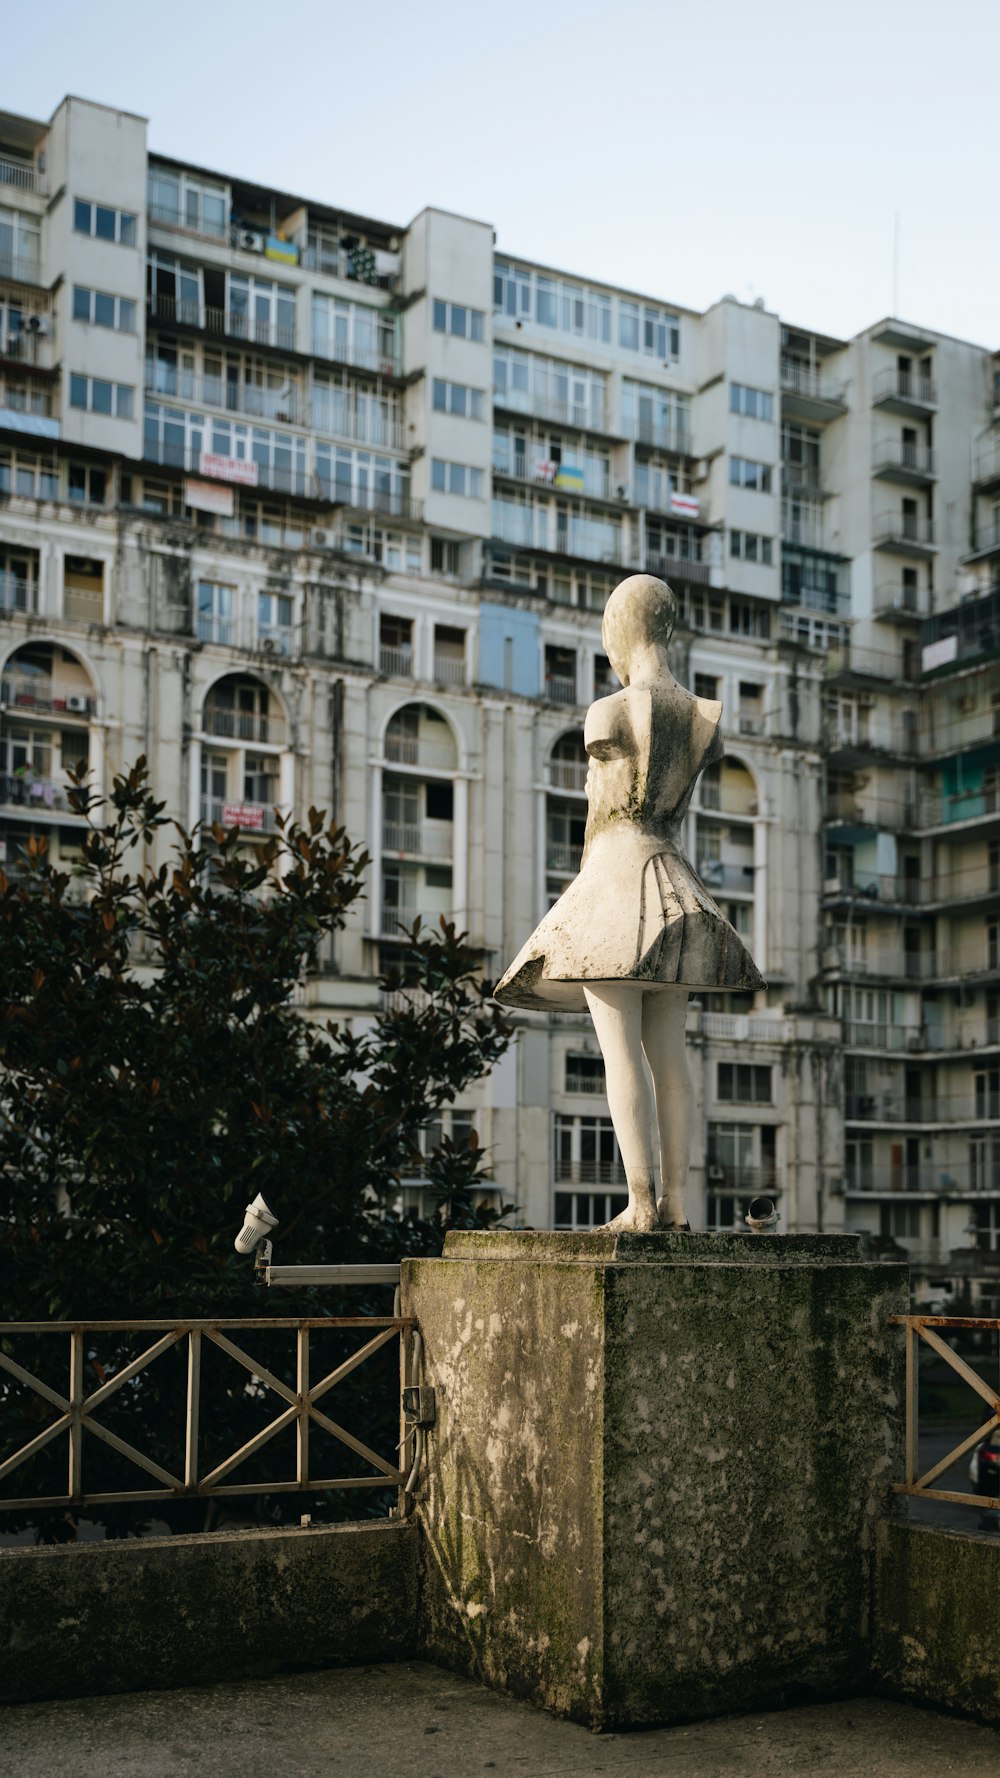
[{"x": 838, "y": 158}]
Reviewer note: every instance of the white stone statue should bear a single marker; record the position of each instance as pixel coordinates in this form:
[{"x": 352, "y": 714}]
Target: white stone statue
[{"x": 637, "y": 931}]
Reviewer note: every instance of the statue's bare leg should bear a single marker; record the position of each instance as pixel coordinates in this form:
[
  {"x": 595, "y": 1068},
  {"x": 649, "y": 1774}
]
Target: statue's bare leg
[
  {"x": 664, "y": 1025},
  {"x": 616, "y": 1009}
]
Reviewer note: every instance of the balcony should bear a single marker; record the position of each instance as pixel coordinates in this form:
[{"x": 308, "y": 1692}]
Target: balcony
[
  {"x": 895, "y": 1108},
  {"x": 986, "y": 539},
  {"x": 904, "y": 535},
  {"x": 675, "y": 568},
  {"x": 728, "y": 799},
  {"x": 251, "y": 818},
  {"x": 28, "y": 407},
  {"x": 658, "y": 435},
  {"x": 243, "y": 633},
  {"x": 595, "y": 485},
  {"x": 808, "y": 395},
  {"x": 353, "y": 266},
  {"x": 904, "y": 392},
  {"x": 412, "y": 750},
  {"x": 29, "y": 696},
  {"x": 895, "y": 602},
  {"x": 396, "y": 922},
  {"x": 849, "y": 661},
  {"x": 43, "y": 796},
  {"x": 542, "y": 406},
  {"x": 232, "y": 323},
  {"x": 540, "y": 528},
  {"x": 986, "y": 475},
  {"x": 881, "y": 1034},
  {"x": 288, "y": 405},
  {"x": 390, "y": 502},
  {"x": 923, "y": 1178},
  {"x": 742, "y": 1027},
  {"x": 911, "y": 465},
  {"x": 22, "y": 176},
  {"x": 568, "y": 774},
  {"x": 589, "y": 1172},
  {"x": 242, "y": 725},
  {"x": 329, "y": 419},
  {"x": 449, "y": 669},
  {"x": 20, "y": 268},
  {"x": 280, "y": 478},
  {"x": 803, "y": 529},
  {"x": 560, "y": 689},
  {"x": 938, "y": 809},
  {"x": 729, "y": 1176},
  {"x": 563, "y": 859},
  {"x": 17, "y": 595},
  {"x": 357, "y": 355},
  {"x": 397, "y": 662},
  {"x": 859, "y": 809},
  {"x": 716, "y": 875}
]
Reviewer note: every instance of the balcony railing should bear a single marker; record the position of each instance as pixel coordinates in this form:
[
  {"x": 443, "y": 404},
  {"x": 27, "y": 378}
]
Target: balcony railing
[
  {"x": 288, "y": 405},
  {"x": 805, "y": 528},
  {"x": 563, "y": 858},
  {"x": 390, "y": 502},
  {"x": 560, "y": 688},
  {"x": 892, "y": 597},
  {"x": 27, "y": 398},
  {"x": 26, "y": 791},
  {"x": 413, "y": 750},
  {"x": 17, "y": 594},
  {"x": 803, "y": 379},
  {"x": 938, "y": 810},
  {"x": 729, "y": 1176},
  {"x": 659, "y": 435},
  {"x": 20, "y": 268},
  {"x": 176, "y": 312},
  {"x": 728, "y": 799},
  {"x": 673, "y": 568},
  {"x": 106, "y": 1360},
  {"x": 546, "y": 407},
  {"x": 930, "y": 1176},
  {"x": 755, "y": 1027},
  {"x": 593, "y": 1084},
  {"x": 23, "y": 177},
  {"x": 242, "y": 725},
  {"x": 568, "y": 774},
  {"x": 395, "y": 659},
  {"x": 243, "y": 633},
  {"x": 280, "y": 478},
  {"x": 449, "y": 669},
  {"x": 882, "y": 1034},
  {"x": 988, "y": 463},
  {"x": 249, "y": 817},
  {"x": 869, "y": 663},
  {"x": 589, "y": 1172},
  {"x": 716, "y": 875},
  {"x": 894, "y": 1108},
  {"x": 397, "y": 922},
  {"x": 987, "y": 537},
  {"x": 344, "y": 263},
  {"x": 908, "y": 459},
  {"x": 893, "y": 384},
  {"x": 947, "y": 887},
  {"x": 330, "y": 420},
  {"x": 900, "y": 530},
  {"x": 402, "y": 836},
  {"x": 544, "y": 474},
  {"x": 28, "y": 695},
  {"x": 357, "y": 354}
]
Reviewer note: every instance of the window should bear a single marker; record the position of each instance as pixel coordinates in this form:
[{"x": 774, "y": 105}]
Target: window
[
  {"x": 274, "y": 622},
  {"x": 103, "y": 223},
  {"x": 444, "y": 556},
  {"x": 747, "y": 546},
  {"x": 95, "y": 396},
  {"x": 656, "y": 416},
  {"x": 180, "y": 201},
  {"x": 359, "y": 479},
  {"x": 586, "y": 1210},
  {"x": 551, "y": 302},
  {"x": 457, "y": 398},
  {"x": 744, "y": 1083},
  {"x": 756, "y": 404},
  {"x": 586, "y": 1152},
  {"x": 86, "y": 484},
  {"x": 628, "y": 326},
  {"x": 19, "y": 243},
  {"x": 456, "y": 478},
  {"x": 746, "y": 619},
  {"x": 744, "y": 473},
  {"x": 103, "y": 310},
  {"x": 549, "y": 387},
  {"x": 22, "y": 473},
  {"x": 216, "y": 613},
  {"x": 585, "y": 1074},
  {"x": 355, "y": 333},
  {"x": 706, "y": 685},
  {"x": 456, "y": 318}
]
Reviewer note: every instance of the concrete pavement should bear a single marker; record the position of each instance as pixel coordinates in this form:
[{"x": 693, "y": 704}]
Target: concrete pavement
[{"x": 412, "y": 1720}]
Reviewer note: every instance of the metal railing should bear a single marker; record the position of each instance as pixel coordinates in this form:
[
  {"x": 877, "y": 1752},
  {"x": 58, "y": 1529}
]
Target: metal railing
[
  {"x": 31, "y": 792},
  {"x": 728, "y": 799},
  {"x": 716, "y": 875},
  {"x": 90, "y": 1388},
  {"x": 560, "y": 688},
  {"x": 568, "y": 774},
  {"x": 660, "y": 435},
  {"x": 411, "y": 750},
  {"x": 242, "y": 725},
  {"x": 911, "y": 459},
  {"x": 17, "y": 594},
  {"x": 544, "y": 474},
  {"x": 589, "y": 1172},
  {"x": 27, "y": 695},
  {"x": 358, "y": 355},
  {"x": 671, "y": 568},
  {"x": 545, "y": 407},
  {"x": 947, "y": 887},
  {"x": 896, "y": 1108},
  {"x": 742, "y": 1026},
  {"x": 289, "y": 405},
  {"x": 449, "y": 669},
  {"x": 247, "y": 816},
  {"x": 279, "y": 478},
  {"x": 803, "y": 379},
  {"x": 893, "y": 596},
  {"x": 563, "y": 858},
  {"x": 402, "y": 836},
  {"x": 892, "y": 384},
  {"x": 988, "y": 463},
  {"x": 924, "y": 1327},
  {"x": 900, "y": 529},
  {"x": 233, "y": 322},
  {"x": 393, "y": 659},
  {"x": 27, "y": 398},
  {"x": 391, "y": 502},
  {"x": 23, "y": 177},
  {"x": 20, "y": 268}
]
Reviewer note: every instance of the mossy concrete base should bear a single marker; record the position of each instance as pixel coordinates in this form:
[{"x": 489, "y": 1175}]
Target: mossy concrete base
[
  {"x": 936, "y": 1634},
  {"x": 652, "y": 1488}
]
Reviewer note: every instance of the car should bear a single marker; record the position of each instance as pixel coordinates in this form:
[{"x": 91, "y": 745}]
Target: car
[{"x": 984, "y": 1474}]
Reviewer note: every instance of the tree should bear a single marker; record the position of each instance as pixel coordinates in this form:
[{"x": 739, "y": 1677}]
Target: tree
[{"x": 155, "y": 1072}]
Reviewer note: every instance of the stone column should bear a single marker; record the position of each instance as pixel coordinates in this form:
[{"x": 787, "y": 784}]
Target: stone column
[{"x": 658, "y": 1462}]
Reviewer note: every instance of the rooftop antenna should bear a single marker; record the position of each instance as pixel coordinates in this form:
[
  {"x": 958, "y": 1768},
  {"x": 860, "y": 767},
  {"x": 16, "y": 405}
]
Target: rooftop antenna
[{"x": 895, "y": 266}]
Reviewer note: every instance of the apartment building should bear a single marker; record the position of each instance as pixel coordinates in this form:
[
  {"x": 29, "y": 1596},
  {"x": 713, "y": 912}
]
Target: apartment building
[{"x": 312, "y": 508}]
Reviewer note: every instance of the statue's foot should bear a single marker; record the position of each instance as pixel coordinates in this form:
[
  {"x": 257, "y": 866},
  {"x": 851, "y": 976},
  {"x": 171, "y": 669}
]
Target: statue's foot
[
  {"x": 639, "y": 1219},
  {"x": 671, "y": 1217}
]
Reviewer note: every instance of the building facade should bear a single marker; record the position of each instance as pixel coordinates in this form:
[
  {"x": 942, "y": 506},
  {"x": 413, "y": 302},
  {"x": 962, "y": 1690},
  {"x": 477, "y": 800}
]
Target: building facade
[{"x": 313, "y": 509}]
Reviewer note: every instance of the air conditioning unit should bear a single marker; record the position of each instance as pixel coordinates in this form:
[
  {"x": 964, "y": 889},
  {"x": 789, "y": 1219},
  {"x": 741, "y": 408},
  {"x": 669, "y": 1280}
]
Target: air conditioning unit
[
  {"x": 716, "y": 1174},
  {"x": 915, "y": 1041},
  {"x": 39, "y": 324},
  {"x": 321, "y": 539},
  {"x": 78, "y": 705},
  {"x": 249, "y": 240}
]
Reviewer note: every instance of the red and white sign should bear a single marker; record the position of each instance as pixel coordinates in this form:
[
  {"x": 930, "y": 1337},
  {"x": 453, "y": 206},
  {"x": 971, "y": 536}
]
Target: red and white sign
[
  {"x": 209, "y": 497},
  {"x": 228, "y": 469},
  {"x": 685, "y": 505},
  {"x": 545, "y": 471},
  {"x": 243, "y": 815}
]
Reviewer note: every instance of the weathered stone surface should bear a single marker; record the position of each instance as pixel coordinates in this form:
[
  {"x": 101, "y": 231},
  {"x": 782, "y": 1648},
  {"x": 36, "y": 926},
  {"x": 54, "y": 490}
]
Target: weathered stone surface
[
  {"x": 167, "y": 1611},
  {"x": 652, "y": 1488},
  {"x": 936, "y": 1631},
  {"x": 659, "y": 1247}
]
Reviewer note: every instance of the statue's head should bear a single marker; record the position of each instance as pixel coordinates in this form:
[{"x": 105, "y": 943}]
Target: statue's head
[{"x": 640, "y": 613}]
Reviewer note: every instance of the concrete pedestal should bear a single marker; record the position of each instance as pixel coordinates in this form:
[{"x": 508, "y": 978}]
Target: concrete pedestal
[{"x": 658, "y": 1461}]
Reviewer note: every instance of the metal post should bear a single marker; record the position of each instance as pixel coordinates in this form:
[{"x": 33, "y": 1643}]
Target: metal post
[
  {"x": 912, "y": 1402},
  {"x": 76, "y": 1413},
  {"x": 302, "y": 1426},
  {"x": 193, "y": 1410}
]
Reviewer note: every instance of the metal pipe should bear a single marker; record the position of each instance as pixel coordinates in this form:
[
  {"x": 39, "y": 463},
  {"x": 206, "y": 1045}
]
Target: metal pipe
[
  {"x": 418, "y": 1431},
  {"x": 762, "y": 1216}
]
